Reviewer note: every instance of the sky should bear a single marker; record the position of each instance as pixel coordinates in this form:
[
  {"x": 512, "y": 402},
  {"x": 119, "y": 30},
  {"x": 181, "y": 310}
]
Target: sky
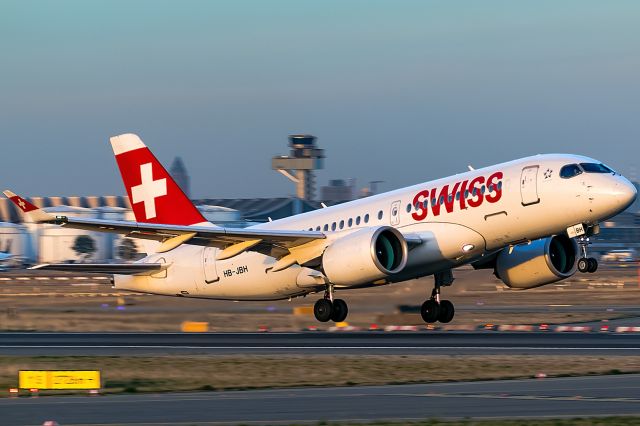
[{"x": 398, "y": 91}]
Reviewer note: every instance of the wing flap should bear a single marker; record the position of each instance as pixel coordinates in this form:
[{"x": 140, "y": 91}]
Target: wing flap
[{"x": 105, "y": 268}]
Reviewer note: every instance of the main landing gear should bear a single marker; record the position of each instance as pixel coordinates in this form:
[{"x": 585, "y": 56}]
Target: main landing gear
[
  {"x": 586, "y": 264},
  {"x": 436, "y": 309},
  {"x": 329, "y": 308}
]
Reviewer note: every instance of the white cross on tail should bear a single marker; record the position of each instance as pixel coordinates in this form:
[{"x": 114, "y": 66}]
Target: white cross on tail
[{"x": 148, "y": 190}]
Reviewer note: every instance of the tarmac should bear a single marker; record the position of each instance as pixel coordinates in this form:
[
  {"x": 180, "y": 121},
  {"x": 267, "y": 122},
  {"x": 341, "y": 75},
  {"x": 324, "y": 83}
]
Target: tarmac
[
  {"x": 380, "y": 343},
  {"x": 512, "y": 399}
]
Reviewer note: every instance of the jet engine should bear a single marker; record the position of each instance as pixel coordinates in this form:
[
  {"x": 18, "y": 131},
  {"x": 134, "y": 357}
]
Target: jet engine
[
  {"x": 365, "y": 256},
  {"x": 541, "y": 262}
]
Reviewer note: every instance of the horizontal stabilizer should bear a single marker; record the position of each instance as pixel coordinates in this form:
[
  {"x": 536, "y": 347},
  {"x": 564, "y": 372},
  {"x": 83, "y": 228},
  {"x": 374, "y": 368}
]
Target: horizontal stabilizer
[{"x": 105, "y": 268}]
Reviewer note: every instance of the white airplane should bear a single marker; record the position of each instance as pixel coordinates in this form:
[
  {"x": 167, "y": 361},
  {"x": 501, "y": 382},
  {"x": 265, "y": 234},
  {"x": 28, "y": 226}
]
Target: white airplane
[{"x": 529, "y": 220}]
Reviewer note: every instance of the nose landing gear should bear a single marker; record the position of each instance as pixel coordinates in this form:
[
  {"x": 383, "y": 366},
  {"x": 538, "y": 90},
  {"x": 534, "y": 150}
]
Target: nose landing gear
[
  {"x": 435, "y": 309},
  {"x": 586, "y": 264},
  {"x": 329, "y": 308}
]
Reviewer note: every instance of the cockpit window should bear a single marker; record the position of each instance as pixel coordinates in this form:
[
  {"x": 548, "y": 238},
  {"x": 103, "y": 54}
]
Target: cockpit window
[
  {"x": 595, "y": 168},
  {"x": 570, "y": 170}
]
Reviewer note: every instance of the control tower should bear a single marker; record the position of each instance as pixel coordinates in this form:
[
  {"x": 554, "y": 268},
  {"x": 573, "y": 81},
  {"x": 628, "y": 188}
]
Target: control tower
[{"x": 298, "y": 166}]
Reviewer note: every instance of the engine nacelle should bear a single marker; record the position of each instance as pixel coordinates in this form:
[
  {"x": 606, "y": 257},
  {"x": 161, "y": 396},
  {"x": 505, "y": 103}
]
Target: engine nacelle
[
  {"x": 541, "y": 262},
  {"x": 365, "y": 256}
]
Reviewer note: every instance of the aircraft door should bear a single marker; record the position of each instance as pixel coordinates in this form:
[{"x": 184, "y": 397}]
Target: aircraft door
[
  {"x": 394, "y": 214},
  {"x": 529, "y": 185},
  {"x": 209, "y": 264}
]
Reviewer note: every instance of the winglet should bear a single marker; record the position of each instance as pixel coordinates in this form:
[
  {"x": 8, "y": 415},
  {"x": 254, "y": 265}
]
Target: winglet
[{"x": 31, "y": 211}]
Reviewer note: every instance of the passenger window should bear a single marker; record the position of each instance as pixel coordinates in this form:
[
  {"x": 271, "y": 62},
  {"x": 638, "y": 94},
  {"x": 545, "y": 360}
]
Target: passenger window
[
  {"x": 366, "y": 218},
  {"x": 350, "y": 222},
  {"x": 482, "y": 189},
  {"x": 326, "y": 227},
  {"x": 333, "y": 226},
  {"x": 317, "y": 228},
  {"x": 380, "y": 215},
  {"x": 341, "y": 224},
  {"x": 425, "y": 204},
  {"x": 357, "y": 220},
  {"x": 595, "y": 168},
  {"x": 569, "y": 171},
  {"x": 433, "y": 202},
  {"x": 408, "y": 208}
]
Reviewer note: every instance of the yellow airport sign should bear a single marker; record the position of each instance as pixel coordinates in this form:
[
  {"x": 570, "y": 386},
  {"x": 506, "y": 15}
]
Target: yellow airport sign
[
  {"x": 48, "y": 379},
  {"x": 194, "y": 327},
  {"x": 303, "y": 310}
]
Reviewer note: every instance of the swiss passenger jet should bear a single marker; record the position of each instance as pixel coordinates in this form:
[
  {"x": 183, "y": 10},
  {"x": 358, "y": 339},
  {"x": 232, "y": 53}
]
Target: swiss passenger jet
[{"x": 529, "y": 220}]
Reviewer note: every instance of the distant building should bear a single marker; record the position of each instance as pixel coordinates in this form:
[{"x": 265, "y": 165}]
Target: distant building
[
  {"x": 338, "y": 191},
  {"x": 619, "y": 232},
  {"x": 299, "y": 165},
  {"x": 370, "y": 190},
  {"x": 178, "y": 172}
]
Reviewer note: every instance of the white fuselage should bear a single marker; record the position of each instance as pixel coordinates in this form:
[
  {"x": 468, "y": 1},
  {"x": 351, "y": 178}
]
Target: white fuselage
[{"x": 514, "y": 202}]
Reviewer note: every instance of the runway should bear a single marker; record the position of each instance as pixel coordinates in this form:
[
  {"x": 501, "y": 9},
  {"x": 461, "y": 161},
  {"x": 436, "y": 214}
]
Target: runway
[
  {"x": 398, "y": 343},
  {"x": 554, "y": 398}
]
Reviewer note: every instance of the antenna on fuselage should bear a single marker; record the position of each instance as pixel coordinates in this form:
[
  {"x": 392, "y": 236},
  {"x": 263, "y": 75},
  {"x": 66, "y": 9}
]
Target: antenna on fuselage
[{"x": 470, "y": 168}]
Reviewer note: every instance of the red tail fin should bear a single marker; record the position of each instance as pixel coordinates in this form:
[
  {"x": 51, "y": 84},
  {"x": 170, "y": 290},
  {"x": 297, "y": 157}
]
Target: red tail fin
[{"x": 154, "y": 195}]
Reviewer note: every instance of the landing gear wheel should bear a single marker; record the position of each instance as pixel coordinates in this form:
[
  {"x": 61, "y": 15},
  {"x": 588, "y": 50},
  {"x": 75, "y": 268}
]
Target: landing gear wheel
[
  {"x": 583, "y": 264},
  {"x": 430, "y": 311},
  {"x": 446, "y": 311},
  {"x": 339, "y": 311},
  {"x": 592, "y": 265},
  {"x": 322, "y": 310}
]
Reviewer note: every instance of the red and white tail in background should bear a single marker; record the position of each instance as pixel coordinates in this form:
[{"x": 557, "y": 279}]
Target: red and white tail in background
[{"x": 155, "y": 197}]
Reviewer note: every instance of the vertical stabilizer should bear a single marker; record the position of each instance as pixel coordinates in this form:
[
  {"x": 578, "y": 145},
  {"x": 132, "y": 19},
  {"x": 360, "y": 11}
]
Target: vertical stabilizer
[{"x": 154, "y": 195}]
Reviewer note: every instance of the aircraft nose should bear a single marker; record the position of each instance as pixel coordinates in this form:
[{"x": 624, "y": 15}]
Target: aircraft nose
[{"x": 625, "y": 193}]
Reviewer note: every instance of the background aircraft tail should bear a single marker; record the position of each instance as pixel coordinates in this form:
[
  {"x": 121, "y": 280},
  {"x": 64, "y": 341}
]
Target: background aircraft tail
[{"x": 154, "y": 195}]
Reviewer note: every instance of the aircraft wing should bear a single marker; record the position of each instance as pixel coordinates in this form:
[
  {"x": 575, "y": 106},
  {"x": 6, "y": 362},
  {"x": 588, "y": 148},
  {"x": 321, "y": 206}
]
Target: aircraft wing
[
  {"x": 233, "y": 240},
  {"x": 106, "y": 268},
  {"x": 197, "y": 234}
]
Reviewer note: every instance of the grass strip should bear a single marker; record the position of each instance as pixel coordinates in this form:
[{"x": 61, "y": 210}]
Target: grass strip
[{"x": 228, "y": 372}]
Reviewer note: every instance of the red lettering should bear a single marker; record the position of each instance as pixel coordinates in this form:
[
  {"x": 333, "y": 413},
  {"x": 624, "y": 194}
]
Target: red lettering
[
  {"x": 421, "y": 208},
  {"x": 475, "y": 192},
  {"x": 497, "y": 188},
  {"x": 449, "y": 198},
  {"x": 435, "y": 203},
  {"x": 463, "y": 198}
]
